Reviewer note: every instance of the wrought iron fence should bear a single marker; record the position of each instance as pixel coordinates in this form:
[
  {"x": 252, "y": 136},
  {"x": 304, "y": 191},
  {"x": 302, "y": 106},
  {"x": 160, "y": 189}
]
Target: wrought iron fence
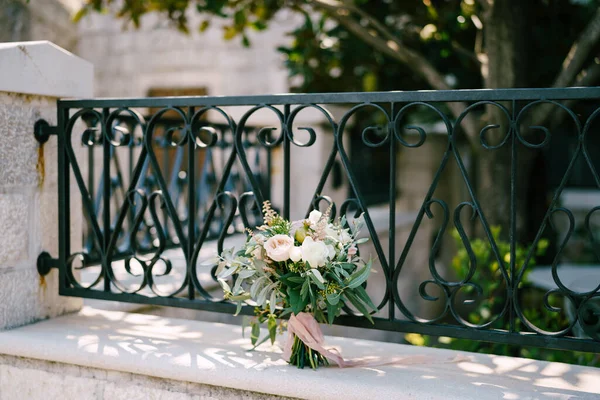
[
  {"x": 172, "y": 160},
  {"x": 151, "y": 216}
]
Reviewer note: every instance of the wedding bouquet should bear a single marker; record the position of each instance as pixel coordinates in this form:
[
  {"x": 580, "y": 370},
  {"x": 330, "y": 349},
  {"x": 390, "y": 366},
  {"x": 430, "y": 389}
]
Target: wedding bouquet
[{"x": 307, "y": 269}]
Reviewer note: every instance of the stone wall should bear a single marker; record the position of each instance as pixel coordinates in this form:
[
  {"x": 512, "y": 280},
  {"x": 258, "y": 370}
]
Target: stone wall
[
  {"x": 38, "y": 20},
  {"x": 29, "y": 178},
  {"x": 55, "y": 380},
  {"x": 130, "y": 62}
]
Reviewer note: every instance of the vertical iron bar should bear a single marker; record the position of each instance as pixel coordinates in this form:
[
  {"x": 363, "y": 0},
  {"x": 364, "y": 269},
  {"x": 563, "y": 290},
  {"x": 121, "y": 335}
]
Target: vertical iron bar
[
  {"x": 92, "y": 190},
  {"x": 269, "y": 163},
  {"x": 513, "y": 218},
  {"x": 64, "y": 218},
  {"x": 191, "y": 175},
  {"x": 286, "y": 164},
  {"x": 392, "y": 227},
  {"x": 105, "y": 198}
]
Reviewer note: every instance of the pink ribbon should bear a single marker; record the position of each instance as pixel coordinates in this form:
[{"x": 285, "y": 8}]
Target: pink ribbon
[{"x": 306, "y": 327}]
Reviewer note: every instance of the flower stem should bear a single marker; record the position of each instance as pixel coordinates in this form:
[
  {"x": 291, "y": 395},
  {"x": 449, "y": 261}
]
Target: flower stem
[{"x": 302, "y": 355}]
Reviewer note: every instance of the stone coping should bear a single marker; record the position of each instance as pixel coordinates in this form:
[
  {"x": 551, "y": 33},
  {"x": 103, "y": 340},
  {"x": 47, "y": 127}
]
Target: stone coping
[
  {"x": 216, "y": 354},
  {"x": 42, "y": 68}
]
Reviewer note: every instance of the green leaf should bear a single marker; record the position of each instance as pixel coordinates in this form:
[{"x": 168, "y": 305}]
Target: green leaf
[
  {"x": 245, "y": 41},
  {"x": 224, "y": 285},
  {"x": 317, "y": 278},
  {"x": 239, "y": 19},
  {"x": 240, "y": 297},
  {"x": 256, "y": 286},
  {"x": 255, "y": 333},
  {"x": 331, "y": 312},
  {"x": 358, "y": 277},
  {"x": 238, "y": 308},
  {"x": 291, "y": 278},
  {"x": 272, "y": 326},
  {"x": 358, "y": 304},
  {"x": 262, "y": 296},
  {"x": 246, "y": 273},
  {"x": 364, "y": 296},
  {"x": 273, "y": 301},
  {"x": 333, "y": 298},
  {"x": 304, "y": 290},
  {"x": 296, "y": 302},
  {"x": 204, "y": 25},
  {"x": 227, "y": 272}
]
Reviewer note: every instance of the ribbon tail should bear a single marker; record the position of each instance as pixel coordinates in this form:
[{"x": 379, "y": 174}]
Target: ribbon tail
[{"x": 307, "y": 329}]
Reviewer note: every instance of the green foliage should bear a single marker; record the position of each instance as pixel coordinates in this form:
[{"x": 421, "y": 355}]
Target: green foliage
[
  {"x": 328, "y": 57},
  {"x": 489, "y": 276}
]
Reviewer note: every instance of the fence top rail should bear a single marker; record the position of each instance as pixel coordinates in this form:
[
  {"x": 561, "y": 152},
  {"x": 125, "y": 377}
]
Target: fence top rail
[{"x": 475, "y": 95}]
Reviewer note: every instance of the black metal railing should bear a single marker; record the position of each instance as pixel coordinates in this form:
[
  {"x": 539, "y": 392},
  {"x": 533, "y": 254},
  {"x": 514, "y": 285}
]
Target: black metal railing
[
  {"x": 165, "y": 202},
  {"x": 171, "y": 160}
]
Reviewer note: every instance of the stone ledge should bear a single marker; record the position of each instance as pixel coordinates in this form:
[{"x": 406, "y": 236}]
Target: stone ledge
[
  {"x": 42, "y": 68},
  {"x": 216, "y": 354}
]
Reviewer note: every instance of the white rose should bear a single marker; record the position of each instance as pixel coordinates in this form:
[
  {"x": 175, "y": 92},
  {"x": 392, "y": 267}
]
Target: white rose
[
  {"x": 314, "y": 253},
  {"x": 295, "y": 254},
  {"x": 278, "y": 247},
  {"x": 314, "y": 216}
]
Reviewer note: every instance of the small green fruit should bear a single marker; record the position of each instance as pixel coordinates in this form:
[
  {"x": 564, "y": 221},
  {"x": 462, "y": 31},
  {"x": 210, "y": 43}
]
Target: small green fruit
[{"x": 300, "y": 234}]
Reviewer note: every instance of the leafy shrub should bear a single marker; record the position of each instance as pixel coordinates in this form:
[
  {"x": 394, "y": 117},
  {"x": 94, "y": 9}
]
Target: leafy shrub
[{"x": 489, "y": 277}]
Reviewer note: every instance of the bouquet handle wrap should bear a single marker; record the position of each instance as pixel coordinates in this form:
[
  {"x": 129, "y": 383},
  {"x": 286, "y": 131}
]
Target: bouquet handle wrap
[{"x": 307, "y": 329}]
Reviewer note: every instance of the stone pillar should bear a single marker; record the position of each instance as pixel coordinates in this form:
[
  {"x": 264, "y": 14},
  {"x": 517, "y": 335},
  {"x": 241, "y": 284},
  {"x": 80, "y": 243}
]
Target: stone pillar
[{"x": 33, "y": 75}]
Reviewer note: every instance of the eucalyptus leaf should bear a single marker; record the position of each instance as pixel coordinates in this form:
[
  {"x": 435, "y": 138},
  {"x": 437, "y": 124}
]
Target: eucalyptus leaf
[
  {"x": 362, "y": 294},
  {"x": 358, "y": 304},
  {"x": 273, "y": 301},
  {"x": 254, "y": 333},
  {"x": 224, "y": 285},
  {"x": 333, "y": 298},
  {"x": 227, "y": 272},
  {"x": 256, "y": 286},
  {"x": 246, "y": 273},
  {"x": 317, "y": 278}
]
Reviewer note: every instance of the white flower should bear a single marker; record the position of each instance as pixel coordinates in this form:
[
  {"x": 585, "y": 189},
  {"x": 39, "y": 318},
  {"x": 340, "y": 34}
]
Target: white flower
[
  {"x": 331, "y": 252},
  {"x": 278, "y": 247},
  {"x": 295, "y": 254},
  {"x": 345, "y": 236},
  {"x": 331, "y": 232},
  {"x": 314, "y": 253},
  {"x": 314, "y": 216}
]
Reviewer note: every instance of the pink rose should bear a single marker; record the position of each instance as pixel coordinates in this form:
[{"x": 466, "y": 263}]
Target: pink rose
[{"x": 278, "y": 247}]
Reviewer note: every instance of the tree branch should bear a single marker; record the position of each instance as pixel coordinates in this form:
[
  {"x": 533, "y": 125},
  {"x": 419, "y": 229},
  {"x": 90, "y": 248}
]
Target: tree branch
[
  {"x": 588, "y": 78},
  {"x": 579, "y": 52},
  {"x": 392, "y": 46}
]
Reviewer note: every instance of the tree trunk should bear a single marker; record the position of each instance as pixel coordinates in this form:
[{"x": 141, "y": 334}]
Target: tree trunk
[{"x": 505, "y": 38}]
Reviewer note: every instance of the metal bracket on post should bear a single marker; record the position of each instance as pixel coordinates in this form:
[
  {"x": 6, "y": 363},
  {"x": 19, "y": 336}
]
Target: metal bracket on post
[
  {"x": 45, "y": 263},
  {"x": 42, "y": 130}
]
